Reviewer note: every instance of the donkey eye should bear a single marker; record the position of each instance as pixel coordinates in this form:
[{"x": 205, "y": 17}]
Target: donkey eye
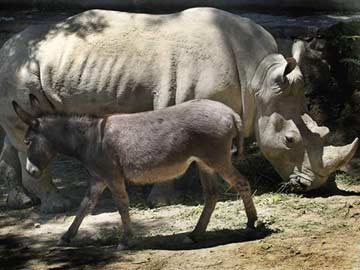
[{"x": 27, "y": 142}]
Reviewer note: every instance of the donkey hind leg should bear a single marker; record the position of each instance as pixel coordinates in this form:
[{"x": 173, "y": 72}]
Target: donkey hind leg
[
  {"x": 10, "y": 171},
  {"x": 87, "y": 205},
  {"x": 231, "y": 175},
  {"x": 51, "y": 199},
  {"x": 208, "y": 184},
  {"x": 121, "y": 198}
]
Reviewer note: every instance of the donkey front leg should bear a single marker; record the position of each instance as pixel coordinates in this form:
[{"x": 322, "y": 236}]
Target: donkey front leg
[
  {"x": 87, "y": 205},
  {"x": 118, "y": 191}
]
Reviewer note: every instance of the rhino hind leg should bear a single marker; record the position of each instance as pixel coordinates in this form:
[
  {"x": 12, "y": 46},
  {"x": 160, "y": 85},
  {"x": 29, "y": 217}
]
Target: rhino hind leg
[
  {"x": 51, "y": 200},
  {"x": 10, "y": 171}
]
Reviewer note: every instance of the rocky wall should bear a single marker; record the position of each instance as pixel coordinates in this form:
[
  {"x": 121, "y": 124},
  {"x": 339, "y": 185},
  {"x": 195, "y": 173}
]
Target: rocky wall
[{"x": 156, "y": 5}]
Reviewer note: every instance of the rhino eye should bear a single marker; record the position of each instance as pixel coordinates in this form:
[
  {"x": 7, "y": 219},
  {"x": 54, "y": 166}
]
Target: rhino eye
[
  {"x": 289, "y": 139},
  {"x": 278, "y": 124}
]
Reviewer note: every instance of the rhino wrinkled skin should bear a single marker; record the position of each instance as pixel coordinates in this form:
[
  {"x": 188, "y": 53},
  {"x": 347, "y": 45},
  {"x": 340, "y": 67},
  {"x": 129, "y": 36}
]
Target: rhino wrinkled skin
[{"x": 100, "y": 62}]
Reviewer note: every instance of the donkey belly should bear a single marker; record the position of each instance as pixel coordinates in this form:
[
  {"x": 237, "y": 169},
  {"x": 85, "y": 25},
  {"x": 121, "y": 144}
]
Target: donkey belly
[{"x": 158, "y": 173}]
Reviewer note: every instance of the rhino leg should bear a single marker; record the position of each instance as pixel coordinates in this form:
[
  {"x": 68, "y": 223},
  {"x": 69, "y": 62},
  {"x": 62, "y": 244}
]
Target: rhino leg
[
  {"x": 163, "y": 194},
  {"x": 10, "y": 171},
  {"x": 51, "y": 200}
]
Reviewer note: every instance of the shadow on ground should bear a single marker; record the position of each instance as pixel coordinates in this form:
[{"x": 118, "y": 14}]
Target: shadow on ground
[
  {"x": 16, "y": 252},
  {"x": 209, "y": 239}
]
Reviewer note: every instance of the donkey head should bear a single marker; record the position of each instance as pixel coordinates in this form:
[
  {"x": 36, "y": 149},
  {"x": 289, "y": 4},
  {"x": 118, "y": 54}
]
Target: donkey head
[{"x": 39, "y": 149}]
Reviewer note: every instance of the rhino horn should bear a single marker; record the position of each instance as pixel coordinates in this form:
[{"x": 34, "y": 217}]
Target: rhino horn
[{"x": 335, "y": 157}]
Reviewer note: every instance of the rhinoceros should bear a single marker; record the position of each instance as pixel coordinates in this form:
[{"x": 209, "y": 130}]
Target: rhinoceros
[{"x": 101, "y": 62}]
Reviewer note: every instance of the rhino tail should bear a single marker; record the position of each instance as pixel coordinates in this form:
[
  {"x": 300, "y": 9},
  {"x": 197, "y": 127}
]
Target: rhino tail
[{"x": 239, "y": 139}]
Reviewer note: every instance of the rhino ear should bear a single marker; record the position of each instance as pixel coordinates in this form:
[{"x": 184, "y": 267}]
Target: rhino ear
[
  {"x": 298, "y": 50},
  {"x": 290, "y": 66},
  {"x": 35, "y": 104},
  {"x": 26, "y": 117}
]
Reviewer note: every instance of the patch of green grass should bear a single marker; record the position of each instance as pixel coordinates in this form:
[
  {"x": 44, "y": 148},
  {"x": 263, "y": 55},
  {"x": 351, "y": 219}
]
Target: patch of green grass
[
  {"x": 347, "y": 179},
  {"x": 194, "y": 212},
  {"x": 270, "y": 220},
  {"x": 310, "y": 226},
  {"x": 273, "y": 199},
  {"x": 108, "y": 235}
]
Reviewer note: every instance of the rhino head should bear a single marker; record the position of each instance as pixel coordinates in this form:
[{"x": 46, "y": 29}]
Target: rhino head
[{"x": 288, "y": 137}]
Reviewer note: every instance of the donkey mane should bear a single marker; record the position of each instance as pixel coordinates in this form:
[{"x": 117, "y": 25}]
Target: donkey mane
[{"x": 71, "y": 116}]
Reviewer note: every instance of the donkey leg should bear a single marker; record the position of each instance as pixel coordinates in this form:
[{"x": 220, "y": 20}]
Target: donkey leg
[
  {"x": 118, "y": 191},
  {"x": 208, "y": 183},
  {"x": 241, "y": 184},
  {"x": 87, "y": 205}
]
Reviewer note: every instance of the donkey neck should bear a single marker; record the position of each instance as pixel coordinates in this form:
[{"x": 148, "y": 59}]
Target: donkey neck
[{"x": 74, "y": 136}]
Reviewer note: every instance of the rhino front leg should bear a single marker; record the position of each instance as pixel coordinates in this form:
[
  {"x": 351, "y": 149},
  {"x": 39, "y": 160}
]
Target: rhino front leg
[
  {"x": 162, "y": 194},
  {"x": 10, "y": 172},
  {"x": 51, "y": 200},
  {"x": 173, "y": 191}
]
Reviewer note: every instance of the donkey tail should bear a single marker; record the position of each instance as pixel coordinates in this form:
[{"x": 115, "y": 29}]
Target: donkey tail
[{"x": 239, "y": 139}]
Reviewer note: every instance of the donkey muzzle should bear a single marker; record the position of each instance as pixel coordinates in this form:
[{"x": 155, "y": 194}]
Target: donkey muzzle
[{"x": 33, "y": 170}]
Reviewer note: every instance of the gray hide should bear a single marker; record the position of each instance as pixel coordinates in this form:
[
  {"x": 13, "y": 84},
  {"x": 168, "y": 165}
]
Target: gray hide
[{"x": 101, "y": 62}]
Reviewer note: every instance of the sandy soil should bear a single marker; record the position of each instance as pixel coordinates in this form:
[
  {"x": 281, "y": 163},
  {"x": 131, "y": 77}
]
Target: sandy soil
[{"x": 296, "y": 232}]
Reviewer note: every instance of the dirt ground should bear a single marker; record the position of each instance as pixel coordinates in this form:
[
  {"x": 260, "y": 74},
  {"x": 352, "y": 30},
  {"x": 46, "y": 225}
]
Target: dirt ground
[{"x": 295, "y": 232}]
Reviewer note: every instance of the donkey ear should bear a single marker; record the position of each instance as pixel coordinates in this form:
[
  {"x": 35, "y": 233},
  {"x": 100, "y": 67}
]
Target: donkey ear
[
  {"x": 51, "y": 106},
  {"x": 35, "y": 104},
  {"x": 23, "y": 115}
]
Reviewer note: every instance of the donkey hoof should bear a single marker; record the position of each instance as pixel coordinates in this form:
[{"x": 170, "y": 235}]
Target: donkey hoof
[
  {"x": 188, "y": 240},
  {"x": 62, "y": 242}
]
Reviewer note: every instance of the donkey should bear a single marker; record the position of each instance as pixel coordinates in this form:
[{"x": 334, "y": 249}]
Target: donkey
[{"x": 143, "y": 148}]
